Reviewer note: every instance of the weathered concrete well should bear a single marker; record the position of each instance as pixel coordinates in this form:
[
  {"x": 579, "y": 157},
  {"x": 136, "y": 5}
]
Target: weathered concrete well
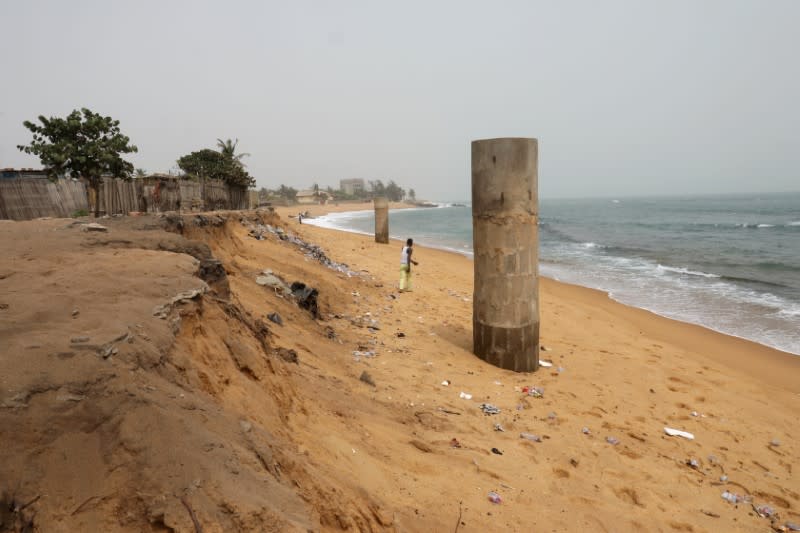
[
  {"x": 381, "y": 220},
  {"x": 505, "y": 309}
]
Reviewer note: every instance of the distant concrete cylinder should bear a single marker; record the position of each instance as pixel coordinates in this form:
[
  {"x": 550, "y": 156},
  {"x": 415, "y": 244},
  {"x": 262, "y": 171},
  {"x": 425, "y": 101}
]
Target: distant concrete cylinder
[
  {"x": 505, "y": 309},
  {"x": 381, "y": 220}
]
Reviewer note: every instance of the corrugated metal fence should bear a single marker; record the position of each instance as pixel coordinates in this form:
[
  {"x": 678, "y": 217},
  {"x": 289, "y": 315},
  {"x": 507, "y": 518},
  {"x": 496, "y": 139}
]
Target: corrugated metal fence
[{"x": 27, "y": 198}]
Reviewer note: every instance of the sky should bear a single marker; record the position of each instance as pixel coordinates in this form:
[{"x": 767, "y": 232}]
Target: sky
[{"x": 626, "y": 98}]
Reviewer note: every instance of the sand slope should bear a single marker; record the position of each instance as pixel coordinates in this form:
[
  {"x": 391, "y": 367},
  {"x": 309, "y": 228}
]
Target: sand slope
[{"x": 203, "y": 416}]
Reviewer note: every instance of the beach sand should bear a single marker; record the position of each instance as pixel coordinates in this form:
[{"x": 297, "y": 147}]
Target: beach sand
[{"x": 208, "y": 411}]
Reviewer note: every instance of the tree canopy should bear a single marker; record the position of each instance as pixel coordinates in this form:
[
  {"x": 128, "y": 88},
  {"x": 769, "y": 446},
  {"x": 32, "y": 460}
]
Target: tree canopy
[
  {"x": 83, "y": 144},
  {"x": 228, "y": 149},
  {"x": 210, "y": 164}
]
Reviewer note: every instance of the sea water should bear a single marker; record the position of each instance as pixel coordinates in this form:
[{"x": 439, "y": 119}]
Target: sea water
[{"x": 730, "y": 263}]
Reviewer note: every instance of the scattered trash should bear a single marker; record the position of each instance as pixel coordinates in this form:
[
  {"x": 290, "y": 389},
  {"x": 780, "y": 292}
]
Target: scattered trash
[
  {"x": 489, "y": 409},
  {"x": 723, "y": 478},
  {"x": 530, "y": 437},
  {"x": 465, "y": 395},
  {"x": 494, "y": 497},
  {"x": 366, "y": 378},
  {"x": 612, "y": 440},
  {"x": 764, "y": 511},
  {"x": 496, "y": 451},
  {"x": 93, "y": 226},
  {"x": 712, "y": 459},
  {"x": 732, "y": 497},
  {"x": 709, "y": 513},
  {"x": 306, "y": 297},
  {"x": 536, "y": 392},
  {"x": 791, "y": 526},
  {"x": 585, "y": 431},
  {"x": 551, "y": 416},
  {"x": 454, "y": 443},
  {"x": 75, "y": 312},
  {"x": 560, "y": 369},
  {"x": 498, "y": 427},
  {"x": 79, "y": 340},
  {"x": 546, "y": 364},
  {"x": 694, "y": 413},
  {"x": 400, "y": 334},
  {"x": 693, "y": 463},
  {"x": 358, "y": 354},
  {"x": 446, "y": 383},
  {"x": 774, "y": 442},
  {"x": 544, "y": 348},
  {"x": 275, "y": 317},
  {"x": 574, "y": 462},
  {"x": 678, "y": 433}
]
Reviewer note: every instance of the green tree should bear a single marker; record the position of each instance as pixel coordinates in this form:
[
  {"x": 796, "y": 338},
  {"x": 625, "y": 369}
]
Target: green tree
[
  {"x": 377, "y": 187},
  {"x": 394, "y": 192},
  {"x": 83, "y": 144},
  {"x": 412, "y": 195},
  {"x": 209, "y": 164},
  {"x": 290, "y": 193},
  {"x": 228, "y": 149},
  {"x": 140, "y": 173}
]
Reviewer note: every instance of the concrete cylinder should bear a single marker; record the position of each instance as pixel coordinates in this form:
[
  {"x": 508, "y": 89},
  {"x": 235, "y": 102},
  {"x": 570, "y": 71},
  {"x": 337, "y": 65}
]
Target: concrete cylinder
[
  {"x": 381, "y": 220},
  {"x": 505, "y": 309}
]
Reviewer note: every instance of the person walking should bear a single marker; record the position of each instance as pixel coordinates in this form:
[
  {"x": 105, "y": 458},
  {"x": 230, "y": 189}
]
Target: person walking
[{"x": 405, "y": 266}]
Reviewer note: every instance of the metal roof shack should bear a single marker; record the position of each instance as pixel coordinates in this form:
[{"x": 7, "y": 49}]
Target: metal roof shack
[{"x": 12, "y": 173}]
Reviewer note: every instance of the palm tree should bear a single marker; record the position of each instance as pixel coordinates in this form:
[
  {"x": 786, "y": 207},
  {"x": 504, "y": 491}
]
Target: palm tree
[
  {"x": 228, "y": 149},
  {"x": 140, "y": 173}
]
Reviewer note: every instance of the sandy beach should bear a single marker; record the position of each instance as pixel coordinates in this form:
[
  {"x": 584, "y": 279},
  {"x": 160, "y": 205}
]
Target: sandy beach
[{"x": 216, "y": 415}]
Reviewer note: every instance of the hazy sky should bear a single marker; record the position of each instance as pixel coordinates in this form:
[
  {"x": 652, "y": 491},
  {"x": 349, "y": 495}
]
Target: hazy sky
[{"x": 626, "y": 98}]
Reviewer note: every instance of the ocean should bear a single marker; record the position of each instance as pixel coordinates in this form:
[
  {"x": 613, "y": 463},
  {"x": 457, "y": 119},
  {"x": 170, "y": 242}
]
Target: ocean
[{"x": 730, "y": 263}]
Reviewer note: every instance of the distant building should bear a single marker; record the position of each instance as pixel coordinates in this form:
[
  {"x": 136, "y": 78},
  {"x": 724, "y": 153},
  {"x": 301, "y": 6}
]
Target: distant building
[
  {"x": 352, "y": 187},
  {"x": 311, "y": 197}
]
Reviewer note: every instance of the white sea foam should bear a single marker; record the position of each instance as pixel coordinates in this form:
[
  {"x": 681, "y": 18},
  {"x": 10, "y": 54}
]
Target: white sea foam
[
  {"x": 766, "y": 226},
  {"x": 794, "y": 223},
  {"x": 683, "y": 270}
]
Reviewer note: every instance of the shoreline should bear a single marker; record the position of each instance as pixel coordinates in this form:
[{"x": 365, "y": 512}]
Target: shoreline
[{"x": 754, "y": 345}]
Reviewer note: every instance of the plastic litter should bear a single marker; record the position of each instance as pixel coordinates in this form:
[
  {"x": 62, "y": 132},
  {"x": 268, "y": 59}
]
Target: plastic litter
[
  {"x": 612, "y": 440},
  {"x": 774, "y": 442},
  {"x": 678, "y": 433},
  {"x": 551, "y": 416},
  {"x": 496, "y": 451},
  {"x": 764, "y": 511},
  {"x": 446, "y": 382},
  {"x": 454, "y": 443},
  {"x": 723, "y": 478},
  {"x": 489, "y": 409},
  {"x": 498, "y": 427},
  {"x": 791, "y": 526},
  {"x": 530, "y": 437},
  {"x": 731, "y": 497},
  {"x": 546, "y": 364},
  {"x": 692, "y": 463},
  {"x": 465, "y": 395},
  {"x": 536, "y": 392},
  {"x": 585, "y": 431},
  {"x": 494, "y": 497}
]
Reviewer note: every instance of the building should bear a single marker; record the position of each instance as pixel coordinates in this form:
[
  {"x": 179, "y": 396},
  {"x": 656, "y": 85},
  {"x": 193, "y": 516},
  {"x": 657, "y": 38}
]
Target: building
[
  {"x": 311, "y": 197},
  {"x": 352, "y": 187}
]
